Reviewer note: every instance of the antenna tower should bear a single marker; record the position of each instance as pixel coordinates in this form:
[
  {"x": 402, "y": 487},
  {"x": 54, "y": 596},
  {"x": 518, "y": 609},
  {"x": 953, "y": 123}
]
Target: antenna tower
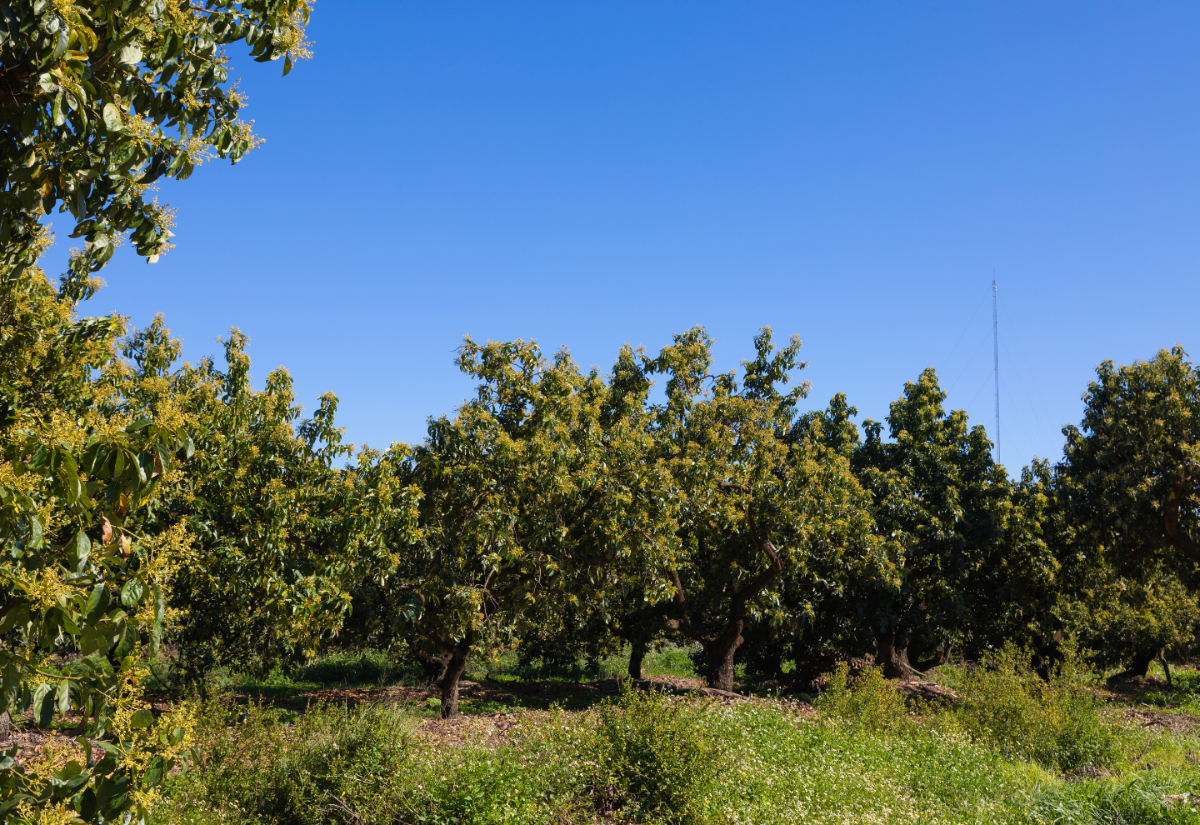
[{"x": 996, "y": 356}]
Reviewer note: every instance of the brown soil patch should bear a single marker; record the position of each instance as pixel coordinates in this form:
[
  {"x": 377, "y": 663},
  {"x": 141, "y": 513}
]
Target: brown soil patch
[
  {"x": 1157, "y": 720},
  {"x": 1087, "y": 772},
  {"x": 492, "y": 729},
  {"x": 488, "y": 691},
  {"x": 35, "y": 743}
]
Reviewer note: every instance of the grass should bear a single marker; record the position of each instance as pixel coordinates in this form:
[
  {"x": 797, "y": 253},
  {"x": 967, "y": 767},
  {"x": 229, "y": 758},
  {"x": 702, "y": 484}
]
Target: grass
[
  {"x": 640, "y": 758},
  {"x": 509, "y": 684},
  {"x": 1000, "y": 754},
  {"x": 670, "y": 660},
  {"x": 867, "y": 757}
]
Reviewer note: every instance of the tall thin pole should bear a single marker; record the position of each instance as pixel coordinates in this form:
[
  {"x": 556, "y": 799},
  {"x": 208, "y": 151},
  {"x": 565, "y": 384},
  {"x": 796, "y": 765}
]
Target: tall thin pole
[{"x": 996, "y": 355}]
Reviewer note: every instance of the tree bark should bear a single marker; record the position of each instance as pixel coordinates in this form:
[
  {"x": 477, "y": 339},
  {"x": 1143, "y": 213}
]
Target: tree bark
[
  {"x": 434, "y": 667},
  {"x": 721, "y": 651},
  {"x": 636, "y": 654},
  {"x": 721, "y": 647},
  {"x": 941, "y": 655},
  {"x": 455, "y": 659},
  {"x": 1162, "y": 660},
  {"x": 1137, "y": 669},
  {"x": 891, "y": 654},
  {"x": 5, "y": 727},
  {"x": 456, "y": 663},
  {"x": 1179, "y": 537}
]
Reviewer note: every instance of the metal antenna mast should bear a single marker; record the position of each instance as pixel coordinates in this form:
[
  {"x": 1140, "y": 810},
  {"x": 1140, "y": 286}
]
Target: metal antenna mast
[{"x": 996, "y": 355}]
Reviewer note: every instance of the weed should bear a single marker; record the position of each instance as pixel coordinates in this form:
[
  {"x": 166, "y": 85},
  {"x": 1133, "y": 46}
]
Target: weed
[
  {"x": 656, "y": 757},
  {"x": 871, "y": 701},
  {"x": 1056, "y": 722}
]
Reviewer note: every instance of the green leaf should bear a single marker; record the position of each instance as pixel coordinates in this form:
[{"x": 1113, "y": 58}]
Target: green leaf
[
  {"x": 17, "y": 617},
  {"x": 81, "y": 545},
  {"x": 154, "y": 773},
  {"x": 57, "y": 111},
  {"x": 131, "y": 54},
  {"x": 43, "y": 702},
  {"x": 12, "y": 684},
  {"x": 160, "y": 604},
  {"x": 164, "y": 457},
  {"x": 97, "y": 664},
  {"x": 64, "y": 696},
  {"x": 132, "y": 592},
  {"x": 97, "y": 603},
  {"x": 112, "y": 118},
  {"x": 142, "y": 719},
  {"x": 127, "y": 642},
  {"x": 68, "y": 476}
]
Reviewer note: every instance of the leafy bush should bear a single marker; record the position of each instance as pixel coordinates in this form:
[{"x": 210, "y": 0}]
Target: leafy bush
[
  {"x": 657, "y": 757},
  {"x": 250, "y": 766},
  {"x": 870, "y": 701},
  {"x": 1055, "y": 722}
]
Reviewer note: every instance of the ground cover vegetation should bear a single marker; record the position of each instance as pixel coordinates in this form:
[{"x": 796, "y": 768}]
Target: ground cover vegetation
[{"x": 169, "y": 530}]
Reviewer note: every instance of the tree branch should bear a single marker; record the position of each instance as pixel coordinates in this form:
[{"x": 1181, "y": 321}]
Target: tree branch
[
  {"x": 682, "y": 623},
  {"x": 762, "y": 579},
  {"x": 1182, "y": 541}
]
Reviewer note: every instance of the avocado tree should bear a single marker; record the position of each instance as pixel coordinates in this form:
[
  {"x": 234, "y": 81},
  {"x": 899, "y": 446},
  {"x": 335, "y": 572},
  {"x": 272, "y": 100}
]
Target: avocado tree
[
  {"x": 937, "y": 502},
  {"x": 1130, "y": 485},
  {"x": 539, "y": 485},
  {"x": 1016, "y": 592},
  {"x": 281, "y": 527},
  {"x": 83, "y": 587},
  {"x": 1124, "y": 623},
  {"x": 101, "y": 98},
  {"x": 756, "y": 508},
  {"x": 818, "y": 615}
]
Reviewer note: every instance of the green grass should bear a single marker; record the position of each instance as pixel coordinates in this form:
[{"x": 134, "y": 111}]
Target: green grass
[
  {"x": 659, "y": 759},
  {"x": 998, "y": 755},
  {"x": 670, "y": 660},
  {"x": 374, "y": 668}
]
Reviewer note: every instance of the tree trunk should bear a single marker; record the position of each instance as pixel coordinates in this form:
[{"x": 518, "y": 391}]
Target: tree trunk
[
  {"x": 456, "y": 662},
  {"x": 720, "y": 656},
  {"x": 636, "y": 654},
  {"x": 891, "y": 654},
  {"x": 941, "y": 655},
  {"x": 434, "y": 667},
  {"x": 1137, "y": 669},
  {"x": 721, "y": 648},
  {"x": 1162, "y": 660},
  {"x": 5, "y": 728}
]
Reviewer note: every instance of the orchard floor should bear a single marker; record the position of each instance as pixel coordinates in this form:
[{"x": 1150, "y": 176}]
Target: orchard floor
[{"x": 355, "y": 746}]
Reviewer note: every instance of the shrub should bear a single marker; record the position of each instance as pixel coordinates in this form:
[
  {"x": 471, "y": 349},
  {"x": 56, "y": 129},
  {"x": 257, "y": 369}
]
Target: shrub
[
  {"x": 657, "y": 757},
  {"x": 870, "y": 701},
  {"x": 1055, "y": 722},
  {"x": 250, "y": 766}
]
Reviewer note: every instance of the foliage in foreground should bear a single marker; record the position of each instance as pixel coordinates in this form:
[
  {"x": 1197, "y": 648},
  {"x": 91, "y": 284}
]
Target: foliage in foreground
[
  {"x": 657, "y": 759},
  {"x": 1056, "y": 722}
]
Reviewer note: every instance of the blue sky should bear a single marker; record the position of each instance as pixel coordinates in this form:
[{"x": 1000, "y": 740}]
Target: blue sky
[{"x": 589, "y": 174}]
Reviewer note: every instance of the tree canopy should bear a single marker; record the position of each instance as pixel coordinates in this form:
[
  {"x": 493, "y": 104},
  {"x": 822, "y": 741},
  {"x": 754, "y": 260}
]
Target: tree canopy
[{"x": 101, "y": 98}]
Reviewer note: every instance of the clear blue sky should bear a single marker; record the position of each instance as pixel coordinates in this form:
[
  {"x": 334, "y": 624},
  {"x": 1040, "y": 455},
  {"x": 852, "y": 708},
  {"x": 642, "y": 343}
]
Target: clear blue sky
[{"x": 588, "y": 174}]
